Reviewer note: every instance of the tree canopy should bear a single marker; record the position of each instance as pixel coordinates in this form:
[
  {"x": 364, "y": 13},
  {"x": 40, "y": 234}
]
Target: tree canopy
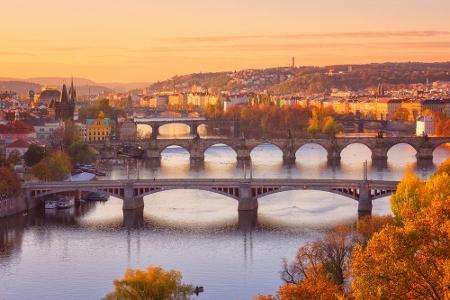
[
  {"x": 153, "y": 283},
  {"x": 34, "y": 154},
  {"x": 403, "y": 258},
  {"x": 54, "y": 167}
]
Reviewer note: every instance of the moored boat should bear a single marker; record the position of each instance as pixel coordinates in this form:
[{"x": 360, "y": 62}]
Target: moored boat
[
  {"x": 51, "y": 204},
  {"x": 65, "y": 202},
  {"x": 97, "y": 196}
]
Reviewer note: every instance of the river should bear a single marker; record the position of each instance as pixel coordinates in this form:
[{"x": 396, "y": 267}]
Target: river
[{"x": 77, "y": 253}]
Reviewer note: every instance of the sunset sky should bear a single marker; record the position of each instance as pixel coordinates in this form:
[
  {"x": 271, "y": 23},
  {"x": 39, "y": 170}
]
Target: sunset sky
[{"x": 147, "y": 40}]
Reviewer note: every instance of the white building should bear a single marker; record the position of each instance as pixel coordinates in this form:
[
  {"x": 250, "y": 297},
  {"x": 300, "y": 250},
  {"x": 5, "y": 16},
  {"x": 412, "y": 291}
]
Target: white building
[
  {"x": 233, "y": 100},
  {"x": 45, "y": 130},
  {"x": 425, "y": 125}
]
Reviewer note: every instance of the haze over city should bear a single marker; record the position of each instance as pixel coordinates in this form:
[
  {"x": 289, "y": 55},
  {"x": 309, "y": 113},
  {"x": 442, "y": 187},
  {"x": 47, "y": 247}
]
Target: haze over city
[
  {"x": 153, "y": 40},
  {"x": 224, "y": 149}
]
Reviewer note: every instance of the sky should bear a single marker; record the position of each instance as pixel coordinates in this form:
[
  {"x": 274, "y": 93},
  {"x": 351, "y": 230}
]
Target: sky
[{"x": 149, "y": 40}]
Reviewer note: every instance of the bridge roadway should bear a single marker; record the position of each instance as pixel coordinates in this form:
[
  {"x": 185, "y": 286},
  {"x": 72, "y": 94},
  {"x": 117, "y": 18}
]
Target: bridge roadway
[
  {"x": 193, "y": 123},
  {"x": 245, "y": 191},
  {"x": 197, "y": 147}
]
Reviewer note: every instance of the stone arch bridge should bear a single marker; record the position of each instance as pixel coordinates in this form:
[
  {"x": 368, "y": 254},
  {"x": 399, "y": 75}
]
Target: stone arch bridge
[
  {"x": 193, "y": 123},
  {"x": 197, "y": 147},
  {"x": 245, "y": 191}
]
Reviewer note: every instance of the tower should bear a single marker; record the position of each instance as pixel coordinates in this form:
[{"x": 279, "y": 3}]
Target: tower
[
  {"x": 65, "y": 108},
  {"x": 293, "y": 62}
]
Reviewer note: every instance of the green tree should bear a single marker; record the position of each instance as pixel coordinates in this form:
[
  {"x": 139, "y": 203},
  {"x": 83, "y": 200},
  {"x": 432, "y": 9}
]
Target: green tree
[
  {"x": 55, "y": 167},
  {"x": 34, "y": 154},
  {"x": 153, "y": 283},
  {"x": 81, "y": 152}
]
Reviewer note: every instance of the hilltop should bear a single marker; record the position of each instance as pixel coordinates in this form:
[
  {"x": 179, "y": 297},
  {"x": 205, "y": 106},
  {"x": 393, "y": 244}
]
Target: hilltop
[{"x": 310, "y": 79}]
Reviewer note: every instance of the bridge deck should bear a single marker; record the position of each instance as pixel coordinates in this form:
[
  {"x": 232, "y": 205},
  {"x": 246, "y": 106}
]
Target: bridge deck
[{"x": 210, "y": 181}]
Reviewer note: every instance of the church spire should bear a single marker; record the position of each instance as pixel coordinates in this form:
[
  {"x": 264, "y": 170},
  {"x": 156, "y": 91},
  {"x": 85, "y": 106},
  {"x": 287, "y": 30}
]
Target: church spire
[
  {"x": 64, "y": 97},
  {"x": 72, "y": 93}
]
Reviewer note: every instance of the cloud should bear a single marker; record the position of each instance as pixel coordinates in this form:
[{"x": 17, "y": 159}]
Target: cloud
[
  {"x": 16, "y": 53},
  {"x": 362, "y": 34}
]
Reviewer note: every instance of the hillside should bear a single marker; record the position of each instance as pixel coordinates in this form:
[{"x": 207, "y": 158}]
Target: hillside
[{"x": 311, "y": 79}]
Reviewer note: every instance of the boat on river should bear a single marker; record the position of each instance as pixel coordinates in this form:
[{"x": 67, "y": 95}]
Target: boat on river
[
  {"x": 51, "y": 204},
  {"x": 97, "y": 196},
  {"x": 65, "y": 202}
]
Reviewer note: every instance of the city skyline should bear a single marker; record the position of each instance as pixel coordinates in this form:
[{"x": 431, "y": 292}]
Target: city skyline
[{"x": 154, "y": 40}]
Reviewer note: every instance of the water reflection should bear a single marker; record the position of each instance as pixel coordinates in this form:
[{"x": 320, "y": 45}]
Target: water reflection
[{"x": 235, "y": 255}]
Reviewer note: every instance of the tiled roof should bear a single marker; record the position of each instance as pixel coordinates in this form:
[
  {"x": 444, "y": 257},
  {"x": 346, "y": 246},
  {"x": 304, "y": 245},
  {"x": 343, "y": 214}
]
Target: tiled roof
[
  {"x": 19, "y": 144},
  {"x": 106, "y": 121},
  {"x": 16, "y": 127}
]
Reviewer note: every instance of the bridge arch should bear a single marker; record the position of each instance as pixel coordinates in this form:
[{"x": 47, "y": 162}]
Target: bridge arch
[
  {"x": 174, "y": 145},
  {"x": 322, "y": 153},
  {"x": 443, "y": 143},
  {"x": 349, "y": 193},
  {"x": 144, "y": 131},
  {"x": 183, "y": 127},
  {"x": 111, "y": 192},
  {"x": 227, "y": 192},
  {"x": 265, "y": 143},
  {"x": 362, "y": 147},
  {"x": 223, "y": 145},
  {"x": 407, "y": 154},
  {"x": 277, "y": 153}
]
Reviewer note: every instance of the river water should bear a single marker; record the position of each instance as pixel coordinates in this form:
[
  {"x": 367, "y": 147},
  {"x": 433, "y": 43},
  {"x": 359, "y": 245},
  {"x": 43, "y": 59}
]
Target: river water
[{"x": 77, "y": 253}]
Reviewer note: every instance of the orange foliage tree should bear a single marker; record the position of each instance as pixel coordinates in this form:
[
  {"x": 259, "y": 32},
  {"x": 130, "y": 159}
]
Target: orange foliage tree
[
  {"x": 409, "y": 259},
  {"x": 153, "y": 283},
  {"x": 9, "y": 182}
]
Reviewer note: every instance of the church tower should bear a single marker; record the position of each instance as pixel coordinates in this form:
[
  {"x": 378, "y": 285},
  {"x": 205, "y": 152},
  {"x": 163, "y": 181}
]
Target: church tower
[{"x": 64, "y": 109}]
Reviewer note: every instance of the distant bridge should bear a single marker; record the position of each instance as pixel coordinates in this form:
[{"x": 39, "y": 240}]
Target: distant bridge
[
  {"x": 193, "y": 123},
  {"x": 197, "y": 147},
  {"x": 245, "y": 191}
]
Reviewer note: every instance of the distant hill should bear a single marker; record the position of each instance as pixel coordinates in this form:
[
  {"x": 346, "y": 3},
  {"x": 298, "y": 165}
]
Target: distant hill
[
  {"x": 20, "y": 87},
  {"x": 83, "y": 85},
  {"x": 57, "y": 81},
  {"x": 23, "y": 86},
  {"x": 311, "y": 79}
]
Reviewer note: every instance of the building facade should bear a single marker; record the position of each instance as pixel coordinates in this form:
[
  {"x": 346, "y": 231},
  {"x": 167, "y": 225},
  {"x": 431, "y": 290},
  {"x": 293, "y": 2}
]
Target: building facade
[{"x": 98, "y": 129}]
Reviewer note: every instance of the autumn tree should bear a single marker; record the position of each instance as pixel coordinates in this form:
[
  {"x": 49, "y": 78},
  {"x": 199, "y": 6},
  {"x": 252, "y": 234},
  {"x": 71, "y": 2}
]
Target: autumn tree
[
  {"x": 9, "y": 182},
  {"x": 401, "y": 114},
  {"x": 331, "y": 127},
  {"x": 153, "y": 283},
  {"x": 54, "y": 167},
  {"x": 320, "y": 269},
  {"x": 409, "y": 259}
]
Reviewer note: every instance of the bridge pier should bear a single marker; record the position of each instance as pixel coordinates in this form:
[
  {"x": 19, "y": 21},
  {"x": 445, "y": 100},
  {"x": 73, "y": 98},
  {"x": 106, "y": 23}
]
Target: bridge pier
[
  {"x": 289, "y": 158},
  {"x": 379, "y": 154},
  {"x": 133, "y": 203},
  {"x": 193, "y": 129},
  {"x": 155, "y": 130},
  {"x": 364, "y": 201},
  {"x": 424, "y": 154},
  {"x": 133, "y": 218},
  {"x": 197, "y": 162},
  {"x": 246, "y": 199},
  {"x": 243, "y": 157},
  {"x": 129, "y": 200},
  {"x": 334, "y": 157},
  {"x": 153, "y": 157},
  {"x": 247, "y": 220}
]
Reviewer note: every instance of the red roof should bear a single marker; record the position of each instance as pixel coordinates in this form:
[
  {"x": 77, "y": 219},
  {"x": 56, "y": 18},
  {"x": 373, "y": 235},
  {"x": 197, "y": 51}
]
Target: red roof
[
  {"x": 19, "y": 144},
  {"x": 16, "y": 127}
]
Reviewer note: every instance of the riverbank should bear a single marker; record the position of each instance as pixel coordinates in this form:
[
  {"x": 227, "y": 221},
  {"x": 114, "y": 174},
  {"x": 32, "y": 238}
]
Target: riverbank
[{"x": 12, "y": 205}]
